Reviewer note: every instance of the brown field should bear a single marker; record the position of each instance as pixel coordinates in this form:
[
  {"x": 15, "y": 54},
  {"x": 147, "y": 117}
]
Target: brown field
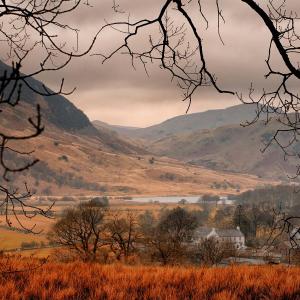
[
  {"x": 13, "y": 239},
  {"x": 153, "y": 207},
  {"x": 93, "y": 281}
]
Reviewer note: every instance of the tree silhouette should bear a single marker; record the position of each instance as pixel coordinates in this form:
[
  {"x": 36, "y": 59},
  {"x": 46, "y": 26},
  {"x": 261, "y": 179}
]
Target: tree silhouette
[
  {"x": 31, "y": 31},
  {"x": 180, "y": 50},
  {"x": 81, "y": 229}
]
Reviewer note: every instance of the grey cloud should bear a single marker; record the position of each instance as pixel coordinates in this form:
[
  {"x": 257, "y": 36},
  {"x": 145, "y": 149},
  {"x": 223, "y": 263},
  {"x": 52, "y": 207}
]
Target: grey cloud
[{"x": 115, "y": 92}]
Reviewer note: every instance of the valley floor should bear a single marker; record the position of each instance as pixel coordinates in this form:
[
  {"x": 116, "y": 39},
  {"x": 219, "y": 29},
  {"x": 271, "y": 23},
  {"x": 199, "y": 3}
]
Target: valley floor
[{"x": 94, "y": 281}]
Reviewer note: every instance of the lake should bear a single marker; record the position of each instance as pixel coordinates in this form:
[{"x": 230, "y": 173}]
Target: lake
[{"x": 176, "y": 199}]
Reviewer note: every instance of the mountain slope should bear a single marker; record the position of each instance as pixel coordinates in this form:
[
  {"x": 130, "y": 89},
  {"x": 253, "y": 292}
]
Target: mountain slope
[
  {"x": 57, "y": 110},
  {"x": 73, "y": 163},
  {"x": 214, "y": 139},
  {"x": 76, "y": 158},
  {"x": 230, "y": 148},
  {"x": 189, "y": 123}
]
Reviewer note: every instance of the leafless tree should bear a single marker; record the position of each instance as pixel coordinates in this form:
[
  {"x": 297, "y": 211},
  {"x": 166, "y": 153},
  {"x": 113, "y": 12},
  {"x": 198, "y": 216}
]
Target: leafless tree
[
  {"x": 287, "y": 227},
  {"x": 167, "y": 239},
  {"x": 81, "y": 230},
  {"x": 211, "y": 251},
  {"x": 123, "y": 234},
  {"x": 30, "y": 31}
]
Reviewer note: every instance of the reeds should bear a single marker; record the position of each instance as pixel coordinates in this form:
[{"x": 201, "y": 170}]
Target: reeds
[{"x": 79, "y": 280}]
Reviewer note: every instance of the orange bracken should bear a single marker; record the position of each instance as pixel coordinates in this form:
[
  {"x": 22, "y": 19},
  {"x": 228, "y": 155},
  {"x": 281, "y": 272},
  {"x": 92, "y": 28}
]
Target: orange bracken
[{"x": 79, "y": 280}]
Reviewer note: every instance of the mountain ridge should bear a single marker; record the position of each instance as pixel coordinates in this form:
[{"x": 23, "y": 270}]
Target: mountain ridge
[
  {"x": 76, "y": 158},
  {"x": 215, "y": 139},
  {"x": 189, "y": 122}
]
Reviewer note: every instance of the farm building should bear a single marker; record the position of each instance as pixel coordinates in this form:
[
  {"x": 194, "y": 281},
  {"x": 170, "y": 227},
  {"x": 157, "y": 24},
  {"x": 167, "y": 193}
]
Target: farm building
[{"x": 234, "y": 236}]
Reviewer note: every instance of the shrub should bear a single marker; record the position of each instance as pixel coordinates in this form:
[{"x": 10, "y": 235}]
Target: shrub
[{"x": 29, "y": 245}]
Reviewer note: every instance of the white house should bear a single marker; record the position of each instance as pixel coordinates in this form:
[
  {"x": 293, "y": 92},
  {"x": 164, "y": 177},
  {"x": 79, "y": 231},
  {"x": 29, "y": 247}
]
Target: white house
[{"x": 234, "y": 236}]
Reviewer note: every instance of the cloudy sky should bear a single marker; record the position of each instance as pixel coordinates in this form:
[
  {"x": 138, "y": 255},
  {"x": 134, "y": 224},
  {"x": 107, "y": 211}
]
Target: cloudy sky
[{"x": 117, "y": 93}]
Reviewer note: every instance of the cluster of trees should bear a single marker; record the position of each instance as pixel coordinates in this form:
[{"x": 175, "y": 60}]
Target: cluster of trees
[
  {"x": 209, "y": 198},
  {"x": 33, "y": 245},
  {"x": 280, "y": 196},
  {"x": 166, "y": 237},
  {"x": 225, "y": 185},
  {"x": 276, "y": 208},
  {"x": 94, "y": 232},
  {"x": 251, "y": 218},
  {"x": 259, "y": 213},
  {"x": 255, "y": 220}
]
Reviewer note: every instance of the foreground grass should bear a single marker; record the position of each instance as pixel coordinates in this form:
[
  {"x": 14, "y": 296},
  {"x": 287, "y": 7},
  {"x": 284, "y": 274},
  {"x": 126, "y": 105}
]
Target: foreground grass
[{"x": 92, "y": 281}]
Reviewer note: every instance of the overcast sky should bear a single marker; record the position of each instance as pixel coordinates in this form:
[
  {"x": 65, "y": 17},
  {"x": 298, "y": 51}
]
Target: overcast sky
[{"x": 119, "y": 94}]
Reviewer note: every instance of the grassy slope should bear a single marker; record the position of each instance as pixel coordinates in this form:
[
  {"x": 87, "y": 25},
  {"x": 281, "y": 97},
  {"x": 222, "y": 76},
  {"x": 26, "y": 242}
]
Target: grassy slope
[
  {"x": 232, "y": 148},
  {"x": 10, "y": 239},
  {"x": 93, "y": 159}
]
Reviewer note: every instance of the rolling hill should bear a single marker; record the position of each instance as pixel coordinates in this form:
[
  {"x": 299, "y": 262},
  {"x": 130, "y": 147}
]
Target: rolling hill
[
  {"x": 215, "y": 139},
  {"x": 78, "y": 158},
  {"x": 231, "y": 148},
  {"x": 187, "y": 123}
]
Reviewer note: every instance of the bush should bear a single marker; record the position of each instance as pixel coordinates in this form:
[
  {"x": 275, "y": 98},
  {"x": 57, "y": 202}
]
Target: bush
[
  {"x": 64, "y": 157},
  {"x": 99, "y": 201},
  {"x": 67, "y": 199},
  {"x": 210, "y": 198},
  {"x": 182, "y": 201},
  {"x": 151, "y": 160},
  {"x": 168, "y": 176},
  {"x": 29, "y": 245}
]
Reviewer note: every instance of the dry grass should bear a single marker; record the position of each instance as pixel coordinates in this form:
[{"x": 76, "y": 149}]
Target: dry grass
[
  {"x": 155, "y": 208},
  {"x": 91, "y": 281},
  {"x": 36, "y": 253},
  {"x": 41, "y": 223},
  {"x": 13, "y": 239}
]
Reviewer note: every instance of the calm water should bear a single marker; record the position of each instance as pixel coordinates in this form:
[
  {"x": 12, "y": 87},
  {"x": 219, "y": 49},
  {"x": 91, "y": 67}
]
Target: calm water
[
  {"x": 169, "y": 199},
  {"x": 176, "y": 199}
]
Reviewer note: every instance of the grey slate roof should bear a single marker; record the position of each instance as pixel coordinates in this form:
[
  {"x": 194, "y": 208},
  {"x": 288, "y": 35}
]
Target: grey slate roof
[{"x": 203, "y": 231}]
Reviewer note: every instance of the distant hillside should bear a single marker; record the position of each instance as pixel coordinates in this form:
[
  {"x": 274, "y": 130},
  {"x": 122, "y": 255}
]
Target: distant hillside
[
  {"x": 215, "y": 139},
  {"x": 231, "y": 148},
  {"x": 73, "y": 163},
  {"x": 76, "y": 158},
  {"x": 59, "y": 110},
  {"x": 62, "y": 113},
  {"x": 189, "y": 123},
  {"x": 122, "y": 130}
]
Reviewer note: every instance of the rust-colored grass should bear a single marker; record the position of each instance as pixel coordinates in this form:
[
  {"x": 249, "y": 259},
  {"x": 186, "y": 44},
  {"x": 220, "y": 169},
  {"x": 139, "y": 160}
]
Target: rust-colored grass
[
  {"x": 13, "y": 239},
  {"x": 94, "y": 281}
]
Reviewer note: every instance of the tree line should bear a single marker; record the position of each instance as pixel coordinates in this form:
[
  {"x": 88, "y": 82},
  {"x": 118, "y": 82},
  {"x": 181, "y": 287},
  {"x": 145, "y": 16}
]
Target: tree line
[{"x": 92, "y": 231}]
